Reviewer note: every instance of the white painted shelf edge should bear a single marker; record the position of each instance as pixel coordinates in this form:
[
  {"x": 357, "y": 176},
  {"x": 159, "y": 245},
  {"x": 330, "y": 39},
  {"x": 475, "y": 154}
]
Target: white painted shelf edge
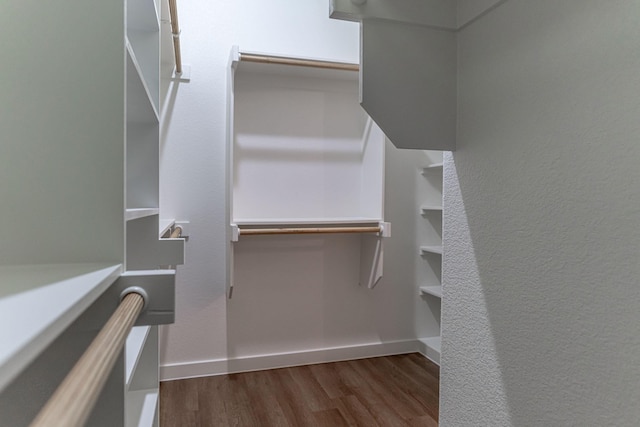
[
  {"x": 133, "y": 349},
  {"x": 436, "y": 291},
  {"x": 433, "y": 166},
  {"x": 431, "y": 250},
  {"x": 426, "y": 209},
  {"x": 29, "y": 321},
  {"x": 141, "y": 408},
  {"x": 306, "y": 221},
  {"x": 132, "y": 214}
]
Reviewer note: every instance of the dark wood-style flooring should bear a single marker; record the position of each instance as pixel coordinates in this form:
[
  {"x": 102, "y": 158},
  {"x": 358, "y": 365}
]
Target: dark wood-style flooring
[{"x": 383, "y": 391}]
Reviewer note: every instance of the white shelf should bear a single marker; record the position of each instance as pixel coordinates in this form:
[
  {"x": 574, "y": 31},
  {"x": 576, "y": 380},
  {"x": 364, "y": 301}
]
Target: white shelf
[
  {"x": 430, "y": 347},
  {"x": 133, "y": 348},
  {"x": 436, "y": 291},
  {"x": 38, "y": 302},
  {"x": 427, "y": 209},
  {"x": 432, "y": 167},
  {"x": 132, "y": 214},
  {"x": 430, "y": 250},
  {"x": 306, "y": 221},
  {"x": 141, "y": 408}
]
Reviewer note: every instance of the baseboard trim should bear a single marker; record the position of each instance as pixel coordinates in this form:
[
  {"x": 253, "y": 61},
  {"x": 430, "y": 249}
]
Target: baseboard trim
[{"x": 282, "y": 360}]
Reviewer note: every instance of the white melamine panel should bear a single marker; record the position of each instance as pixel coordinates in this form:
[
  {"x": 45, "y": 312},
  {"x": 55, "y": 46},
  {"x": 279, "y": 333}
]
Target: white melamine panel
[
  {"x": 144, "y": 45},
  {"x": 143, "y": 34},
  {"x": 61, "y": 158},
  {"x": 142, "y": 166},
  {"x": 140, "y": 94},
  {"x": 141, "y": 408},
  {"x": 408, "y": 80},
  {"x": 146, "y": 251},
  {"x": 132, "y": 214},
  {"x": 133, "y": 349},
  {"x": 144, "y": 375},
  {"x": 38, "y": 302},
  {"x": 303, "y": 148}
]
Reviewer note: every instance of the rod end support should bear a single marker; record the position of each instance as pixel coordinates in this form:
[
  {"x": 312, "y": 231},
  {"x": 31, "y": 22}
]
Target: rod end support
[{"x": 136, "y": 290}]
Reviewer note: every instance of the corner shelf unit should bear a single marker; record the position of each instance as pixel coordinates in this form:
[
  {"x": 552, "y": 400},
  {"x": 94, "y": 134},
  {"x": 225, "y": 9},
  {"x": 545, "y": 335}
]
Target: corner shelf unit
[
  {"x": 430, "y": 290},
  {"x": 144, "y": 248},
  {"x": 302, "y": 152}
]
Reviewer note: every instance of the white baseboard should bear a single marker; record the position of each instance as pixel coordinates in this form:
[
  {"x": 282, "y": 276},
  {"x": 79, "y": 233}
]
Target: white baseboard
[
  {"x": 430, "y": 348},
  {"x": 281, "y": 360}
]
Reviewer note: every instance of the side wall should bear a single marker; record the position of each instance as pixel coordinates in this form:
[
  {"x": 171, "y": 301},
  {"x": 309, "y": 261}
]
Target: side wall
[
  {"x": 267, "y": 321},
  {"x": 542, "y": 206}
]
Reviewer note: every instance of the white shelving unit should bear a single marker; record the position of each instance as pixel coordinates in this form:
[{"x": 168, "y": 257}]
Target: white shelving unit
[
  {"x": 82, "y": 200},
  {"x": 430, "y": 290},
  {"x": 303, "y": 153}
]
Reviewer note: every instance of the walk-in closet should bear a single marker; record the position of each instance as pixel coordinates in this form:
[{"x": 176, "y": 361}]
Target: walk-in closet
[{"x": 319, "y": 212}]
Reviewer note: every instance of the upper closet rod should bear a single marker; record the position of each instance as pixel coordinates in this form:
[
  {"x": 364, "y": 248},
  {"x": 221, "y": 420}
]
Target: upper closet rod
[
  {"x": 283, "y": 60},
  {"x": 175, "y": 31}
]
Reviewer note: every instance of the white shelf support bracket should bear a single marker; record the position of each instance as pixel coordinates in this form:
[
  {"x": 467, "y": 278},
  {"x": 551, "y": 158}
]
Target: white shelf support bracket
[
  {"x": 372, "y": 256},
  {"x": 235, "y": 232},
  {"x": 385, "y": 229}
]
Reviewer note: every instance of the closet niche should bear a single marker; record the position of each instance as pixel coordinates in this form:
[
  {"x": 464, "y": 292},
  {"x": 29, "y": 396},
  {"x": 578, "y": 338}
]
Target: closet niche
[{"x": 304, "y": 157}]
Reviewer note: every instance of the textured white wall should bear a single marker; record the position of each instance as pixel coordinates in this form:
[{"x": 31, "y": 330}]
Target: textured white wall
[
  {"x": 542, "y": 206},
  {"x": 208, "y": 329}
]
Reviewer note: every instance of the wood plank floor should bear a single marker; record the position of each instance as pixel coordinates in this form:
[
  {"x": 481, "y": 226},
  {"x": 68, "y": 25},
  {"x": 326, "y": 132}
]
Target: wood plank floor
[{"x": 383, "y": 391}]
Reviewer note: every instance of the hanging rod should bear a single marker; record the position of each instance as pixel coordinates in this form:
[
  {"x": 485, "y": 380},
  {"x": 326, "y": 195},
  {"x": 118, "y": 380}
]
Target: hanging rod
[
  {"x": 308, "y": 230},
  {"x": 176, "y": 233},
  {"x": 283, "y": 60},
  {"x": 72, "y": 402},
  {"x": 175, "y": 32}
]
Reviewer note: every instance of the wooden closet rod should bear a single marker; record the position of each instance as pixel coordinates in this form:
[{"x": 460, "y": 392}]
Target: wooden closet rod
[
  {"x": 308, "y": 230},
  {"x": 175, "y": 31},
  {"x": 72, "y": 402},
  {"x": 283, "y": 60},
  {"x": 176, "y": 233}
]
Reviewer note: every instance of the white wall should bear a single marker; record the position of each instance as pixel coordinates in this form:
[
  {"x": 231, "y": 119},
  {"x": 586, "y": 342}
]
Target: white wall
[
  {"x": 270, "y": 316},
  {"x": 542, "y": 207}
]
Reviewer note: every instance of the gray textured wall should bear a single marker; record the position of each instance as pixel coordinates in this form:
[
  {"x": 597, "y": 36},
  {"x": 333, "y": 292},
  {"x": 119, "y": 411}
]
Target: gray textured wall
[{"x": 541, "y": 303}]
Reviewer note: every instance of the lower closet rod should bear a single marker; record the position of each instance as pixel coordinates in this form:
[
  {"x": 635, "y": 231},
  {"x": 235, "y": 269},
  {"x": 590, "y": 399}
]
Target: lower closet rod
[
  {"x": 308, "y": 230},
  {"x": 74, "y": 399}
]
